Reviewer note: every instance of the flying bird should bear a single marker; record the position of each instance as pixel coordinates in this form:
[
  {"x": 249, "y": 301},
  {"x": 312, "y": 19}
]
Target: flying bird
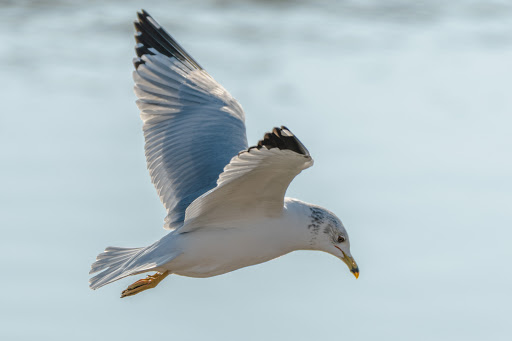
[{"x": 225, "y": 201}]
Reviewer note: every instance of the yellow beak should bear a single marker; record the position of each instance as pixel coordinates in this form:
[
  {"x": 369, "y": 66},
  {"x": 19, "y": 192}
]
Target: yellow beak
[{"x": 351, "y": 263}]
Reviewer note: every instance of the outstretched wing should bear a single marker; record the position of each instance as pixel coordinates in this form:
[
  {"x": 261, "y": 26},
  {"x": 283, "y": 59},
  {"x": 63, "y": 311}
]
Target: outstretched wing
[
  {"x": 192, "y": 125},
  {"x": 253, "y": 183}
]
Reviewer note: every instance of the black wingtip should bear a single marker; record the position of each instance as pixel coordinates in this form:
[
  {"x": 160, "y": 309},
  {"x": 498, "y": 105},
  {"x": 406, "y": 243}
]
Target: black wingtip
[
  {"x": 142, "y": 14},
  {"x": 282, "y": 138},
  {"x": 150, "y": 35}
]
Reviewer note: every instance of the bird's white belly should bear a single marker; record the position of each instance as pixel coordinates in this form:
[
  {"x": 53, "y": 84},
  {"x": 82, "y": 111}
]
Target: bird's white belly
[{"x": 214, "y": 252}]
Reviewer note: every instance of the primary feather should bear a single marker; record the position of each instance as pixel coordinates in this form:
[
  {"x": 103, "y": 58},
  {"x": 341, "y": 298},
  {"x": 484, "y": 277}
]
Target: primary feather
[{"x": 192, "y": 125}]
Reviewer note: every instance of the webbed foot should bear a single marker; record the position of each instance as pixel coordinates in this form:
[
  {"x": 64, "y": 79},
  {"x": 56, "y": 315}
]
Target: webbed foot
[{"x": 144, "y": 284}]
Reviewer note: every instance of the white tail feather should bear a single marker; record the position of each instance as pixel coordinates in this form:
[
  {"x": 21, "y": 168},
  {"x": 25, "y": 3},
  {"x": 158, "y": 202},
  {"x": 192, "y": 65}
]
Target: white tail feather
[{"x": 113, "y": 265}]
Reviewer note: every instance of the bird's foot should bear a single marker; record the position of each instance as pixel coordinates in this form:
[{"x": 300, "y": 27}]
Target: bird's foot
[{"x": 143, "y": 284}]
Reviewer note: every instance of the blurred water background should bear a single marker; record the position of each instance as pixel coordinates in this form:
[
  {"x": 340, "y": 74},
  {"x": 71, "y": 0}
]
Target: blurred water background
[{"x": 405, "y": 106}]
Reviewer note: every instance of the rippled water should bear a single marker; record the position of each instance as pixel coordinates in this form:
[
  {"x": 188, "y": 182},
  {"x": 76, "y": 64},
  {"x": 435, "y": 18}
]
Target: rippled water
[{"x": 405, "y": 107}]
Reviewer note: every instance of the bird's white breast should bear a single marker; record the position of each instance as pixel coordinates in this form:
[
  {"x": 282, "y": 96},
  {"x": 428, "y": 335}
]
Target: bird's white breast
[
  {"x": 210, "y": 251},
  {"x": 213, "y": 251}
]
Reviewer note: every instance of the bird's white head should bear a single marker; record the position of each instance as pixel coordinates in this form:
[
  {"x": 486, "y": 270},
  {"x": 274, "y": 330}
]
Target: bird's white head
[{"x": 329, "y": 235}]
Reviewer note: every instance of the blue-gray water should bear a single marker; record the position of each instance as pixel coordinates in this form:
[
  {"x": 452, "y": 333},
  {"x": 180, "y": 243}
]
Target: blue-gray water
[{"x": 405, "y": 106}]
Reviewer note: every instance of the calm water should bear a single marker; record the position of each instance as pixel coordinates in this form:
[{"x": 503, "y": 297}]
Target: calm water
[{"x": 406, "y": 108}]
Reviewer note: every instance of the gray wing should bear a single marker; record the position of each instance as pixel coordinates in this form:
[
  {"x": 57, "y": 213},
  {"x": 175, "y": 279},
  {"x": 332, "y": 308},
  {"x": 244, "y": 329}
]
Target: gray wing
[{"x": 192, "y": 125}]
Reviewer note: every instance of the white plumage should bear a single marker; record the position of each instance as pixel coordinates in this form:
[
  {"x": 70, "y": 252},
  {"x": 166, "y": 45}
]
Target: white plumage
[{"x": 226, "y": 205}]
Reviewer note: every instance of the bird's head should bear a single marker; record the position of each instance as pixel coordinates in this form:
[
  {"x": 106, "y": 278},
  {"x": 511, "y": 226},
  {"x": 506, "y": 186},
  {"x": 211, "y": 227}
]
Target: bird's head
[{"x": 329, "y": 235}]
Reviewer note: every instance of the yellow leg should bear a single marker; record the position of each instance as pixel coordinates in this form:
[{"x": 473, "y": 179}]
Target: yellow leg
[{"x": 144, "y": 284}]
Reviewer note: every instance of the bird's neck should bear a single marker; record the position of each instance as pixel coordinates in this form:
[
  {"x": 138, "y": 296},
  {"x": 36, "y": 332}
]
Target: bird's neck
[{"x": 303, "y": 221}]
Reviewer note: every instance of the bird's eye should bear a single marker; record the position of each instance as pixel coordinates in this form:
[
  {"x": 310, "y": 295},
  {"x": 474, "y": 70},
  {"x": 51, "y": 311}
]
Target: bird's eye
[{"x": 341, "y": 239}]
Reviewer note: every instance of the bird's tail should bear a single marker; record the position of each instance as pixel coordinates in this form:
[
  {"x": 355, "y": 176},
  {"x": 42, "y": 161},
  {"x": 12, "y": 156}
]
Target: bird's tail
[{"x": 113, "y": 264}]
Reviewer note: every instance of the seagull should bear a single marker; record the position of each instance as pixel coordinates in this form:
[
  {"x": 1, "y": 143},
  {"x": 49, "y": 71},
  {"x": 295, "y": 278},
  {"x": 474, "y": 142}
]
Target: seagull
[{"x": 225, "y": 201}]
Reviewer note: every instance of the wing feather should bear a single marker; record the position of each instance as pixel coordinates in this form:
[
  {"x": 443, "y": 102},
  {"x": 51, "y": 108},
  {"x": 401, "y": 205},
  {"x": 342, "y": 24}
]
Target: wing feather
[
  {"x": 253, "y": 183},
  {"x": 192, "y": 125}
]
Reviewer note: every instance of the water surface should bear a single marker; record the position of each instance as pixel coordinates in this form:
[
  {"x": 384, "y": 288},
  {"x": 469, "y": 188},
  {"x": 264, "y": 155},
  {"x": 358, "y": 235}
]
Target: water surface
[{"x": 405, "y": 107}]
